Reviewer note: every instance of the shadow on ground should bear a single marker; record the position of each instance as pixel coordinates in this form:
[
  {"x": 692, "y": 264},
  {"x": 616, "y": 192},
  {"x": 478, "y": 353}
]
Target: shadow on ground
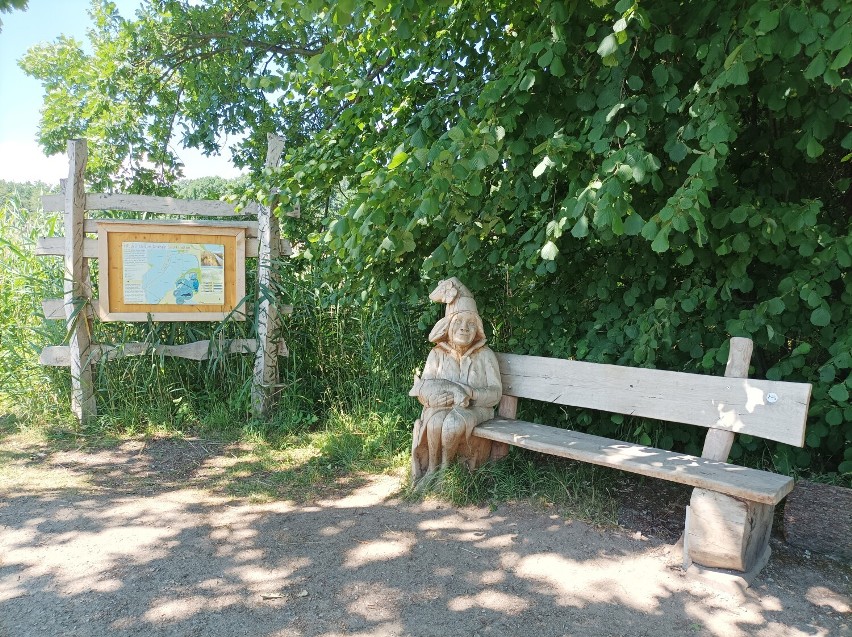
[{"x": 140, "y": 541}]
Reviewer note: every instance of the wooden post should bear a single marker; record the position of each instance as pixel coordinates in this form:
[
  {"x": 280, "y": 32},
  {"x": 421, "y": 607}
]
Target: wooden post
[
  {"x": 76, "y": 285},
  {"x": 722, "y": 531},
  {"x": 268, "y": 325},
  {"x": 508, "y": 408},
  {"x": 717, "y": 444}
]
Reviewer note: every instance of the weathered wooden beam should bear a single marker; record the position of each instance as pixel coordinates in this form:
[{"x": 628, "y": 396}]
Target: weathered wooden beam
[
  {"x": 91, "y": 225},
  {"x": 265, "y": 381},
  {"x": 717, "y": 444},
  {"x": 59, "y": 355},
  {"x": 55, "y": 246},
  {"x": 158, "y": 205},
  {"x": 774, "y": 410},
  {"x": 726, "y": 532},
  {"x": 83, "y": 404},
  {"x": 742, "y": 482},
  {"x": 54, "y": 309}
]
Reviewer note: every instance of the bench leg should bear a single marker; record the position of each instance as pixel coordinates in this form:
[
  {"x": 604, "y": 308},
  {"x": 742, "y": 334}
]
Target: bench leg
[{"x": 725, "y": 532}]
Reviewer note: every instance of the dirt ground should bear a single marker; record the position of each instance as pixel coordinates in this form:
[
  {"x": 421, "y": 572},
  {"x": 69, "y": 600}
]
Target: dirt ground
[{"x": 137, "y": 540}]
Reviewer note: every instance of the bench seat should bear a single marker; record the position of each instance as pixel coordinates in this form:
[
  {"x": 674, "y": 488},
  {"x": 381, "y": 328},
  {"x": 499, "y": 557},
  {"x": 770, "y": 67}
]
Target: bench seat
[{"x": 739, "y": 482}]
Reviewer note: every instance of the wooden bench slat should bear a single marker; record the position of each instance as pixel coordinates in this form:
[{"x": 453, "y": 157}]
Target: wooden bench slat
[
  {"x": 739, "y": 405},
  {"x": 740, "y": 482}
]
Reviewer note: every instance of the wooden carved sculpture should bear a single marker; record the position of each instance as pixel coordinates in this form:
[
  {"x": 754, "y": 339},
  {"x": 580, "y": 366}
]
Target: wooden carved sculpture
[{"x": 459, "y": 386}]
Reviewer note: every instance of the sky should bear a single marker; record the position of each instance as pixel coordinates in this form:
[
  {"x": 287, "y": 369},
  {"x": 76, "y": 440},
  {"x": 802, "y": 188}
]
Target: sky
[{"x": 21, "y": 158}]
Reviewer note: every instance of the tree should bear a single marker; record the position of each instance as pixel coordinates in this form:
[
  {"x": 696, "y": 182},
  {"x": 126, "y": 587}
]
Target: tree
[
  {"x": 7, "y": 6},
  {"x": 173, "y": 75}
]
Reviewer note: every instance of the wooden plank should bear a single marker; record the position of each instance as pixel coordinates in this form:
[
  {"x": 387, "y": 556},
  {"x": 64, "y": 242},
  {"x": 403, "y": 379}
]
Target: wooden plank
[
  {"x": 159, "y": 205},
  {"x": 55, "y": 246},
  {"x": 717, "y": 444},
  {"x": 75, "y": 285},
  {"x": 156, "y": 205},
  {"x": 92, "y": 226},
  {"x": 741, "y": 482},
  {"x": 737, "y": 405},
  {"x": 265, "y": 380},
  {"x": 58, "y": 356},
  {"x": 54, "y": 309}
]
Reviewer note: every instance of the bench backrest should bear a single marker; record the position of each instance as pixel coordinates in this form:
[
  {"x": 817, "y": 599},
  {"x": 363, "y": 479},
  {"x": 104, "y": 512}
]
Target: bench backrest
[{"x": 773, "y": 410}]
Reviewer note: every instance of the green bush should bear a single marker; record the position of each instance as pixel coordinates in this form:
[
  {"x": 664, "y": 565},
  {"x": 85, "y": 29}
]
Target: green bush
[{"x": 617, "y": 182}]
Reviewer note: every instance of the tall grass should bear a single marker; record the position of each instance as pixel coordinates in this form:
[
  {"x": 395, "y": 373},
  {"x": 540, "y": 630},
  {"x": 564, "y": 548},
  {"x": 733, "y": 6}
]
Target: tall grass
[
  {"x": 27, "y": 388},
  {"x": 344, "y": 383}
]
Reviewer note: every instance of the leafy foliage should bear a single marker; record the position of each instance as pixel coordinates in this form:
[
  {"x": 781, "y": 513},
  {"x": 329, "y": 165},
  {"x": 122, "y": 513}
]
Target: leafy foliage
[
  {"x": 174, "y": 73},
  {"x": 620, "y": 183},
  {"x": 7, "y": 6}
]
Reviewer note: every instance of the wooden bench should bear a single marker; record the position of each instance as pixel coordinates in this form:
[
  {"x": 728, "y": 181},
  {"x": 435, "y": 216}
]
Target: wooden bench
[{"x": 729, "y": 518}]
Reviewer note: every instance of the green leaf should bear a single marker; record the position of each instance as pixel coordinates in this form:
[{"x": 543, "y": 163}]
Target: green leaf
[
  {"x": 661, "y": 242},
  {"x": 635, "y": 83},
  {"x": 733, "y": 56},
  {"x": 543, "y": 165},
  {"x": 633, "y": 225},
  {"x": 439, "y": 256},
  {"x": 549, "y": 251},
  {"x": 556, "y": 67},
  {"x": 816, "y": 67},
  {"x": 741, "y": 243},
  {"x": 814, "y": 148},
  {"x": 678, "y": 152},
  {"x": 581, "y": 228},
  {"x": 798, "y": 21},
  {"x": 843, "y": 58},
  {"x": 397, "y": 160},
  {"x": 839, "y": 393},
  {"x": 738, "y": 74},
  {"x": 775, "y": 306},
  {"x": 718, "y": 133},
  {"x": 608, "y": 46},
  {"x": 479, "y": 160},
  {"x": 840, "y": 38},
  {"x": 528, "y": 81},
  {"x": 769, "y": 21},
  {"x": 660, "y": 74},
  {"x": 821, "y": 317},
  {"x": 545, "y": 58}
]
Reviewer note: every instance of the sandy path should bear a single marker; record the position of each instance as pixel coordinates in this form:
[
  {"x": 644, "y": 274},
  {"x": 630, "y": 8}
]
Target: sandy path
[{"x": 179, "y": 560}]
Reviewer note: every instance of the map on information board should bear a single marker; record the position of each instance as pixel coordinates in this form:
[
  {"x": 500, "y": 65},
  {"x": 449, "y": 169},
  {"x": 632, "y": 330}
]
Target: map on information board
[{"x": 173, "y": 273}]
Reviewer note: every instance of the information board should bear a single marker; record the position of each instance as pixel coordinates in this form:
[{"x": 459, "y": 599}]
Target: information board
[{"x": 182, "y": 271}]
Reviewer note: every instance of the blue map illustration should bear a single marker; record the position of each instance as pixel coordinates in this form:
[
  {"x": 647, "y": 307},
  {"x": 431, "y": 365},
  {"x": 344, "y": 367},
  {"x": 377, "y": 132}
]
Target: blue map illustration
[
  {"x": 186, "y": 287},
  {"x": 170, "y": 271}
]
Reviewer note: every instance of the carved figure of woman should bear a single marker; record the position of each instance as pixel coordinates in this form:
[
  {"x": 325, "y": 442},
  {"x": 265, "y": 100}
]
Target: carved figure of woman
[{"x": 459, "y": 387}]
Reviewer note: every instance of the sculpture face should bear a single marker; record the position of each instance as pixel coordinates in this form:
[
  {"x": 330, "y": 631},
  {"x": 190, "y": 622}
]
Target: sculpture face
[{"x": 462, "y": 330}]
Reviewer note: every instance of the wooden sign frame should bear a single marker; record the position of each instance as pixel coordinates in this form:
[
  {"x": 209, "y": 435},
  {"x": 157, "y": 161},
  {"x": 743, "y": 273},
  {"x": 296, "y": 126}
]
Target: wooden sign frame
[{"x": 114, "y": 235}]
